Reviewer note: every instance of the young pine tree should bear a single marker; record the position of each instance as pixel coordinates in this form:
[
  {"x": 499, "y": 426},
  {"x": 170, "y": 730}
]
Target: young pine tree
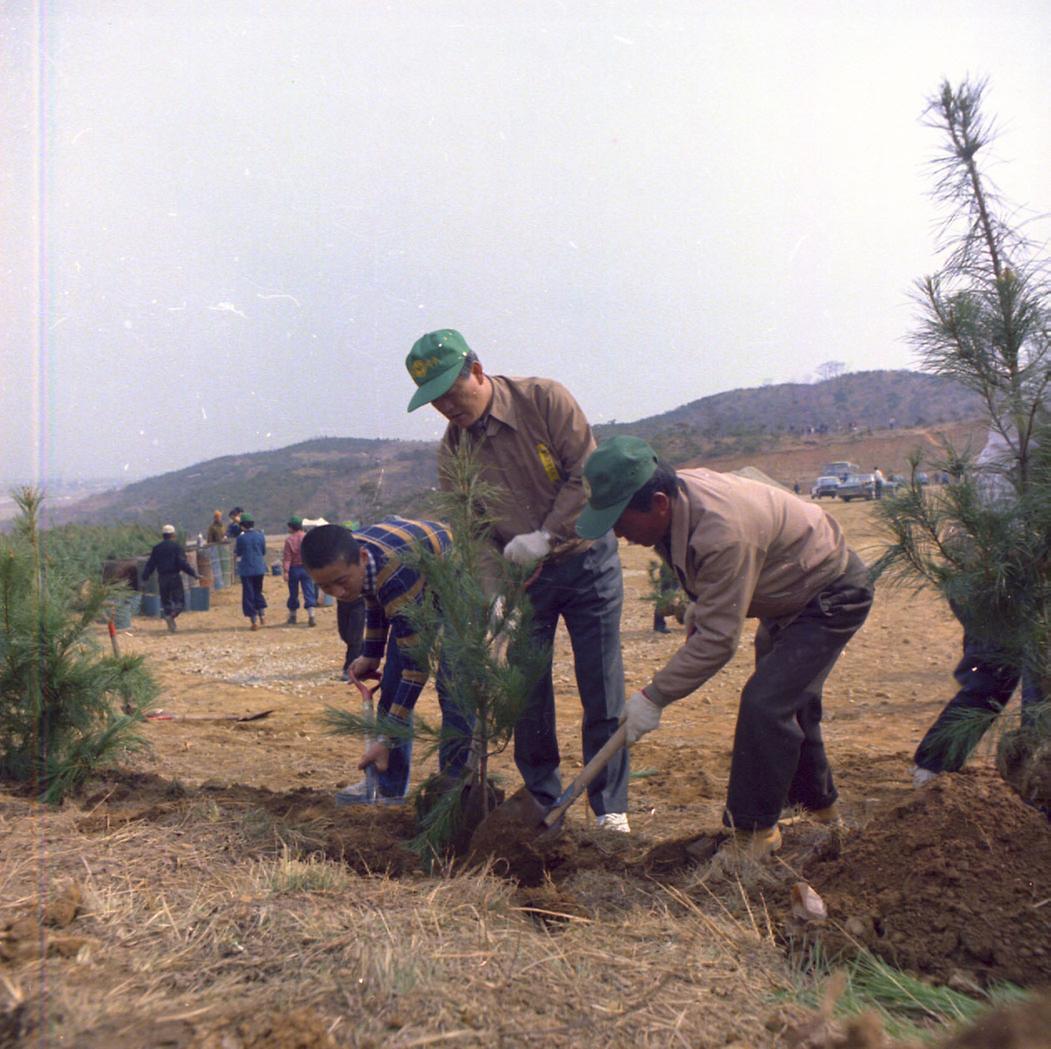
[
  {"x": 61, "y": 700},
  {"x": 984, "y": 541}
]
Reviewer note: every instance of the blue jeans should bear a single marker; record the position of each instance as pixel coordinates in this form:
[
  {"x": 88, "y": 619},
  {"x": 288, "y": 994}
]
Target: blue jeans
[
  {"x": 587, "y": 591},
  {"x": 987, "y": 681},
  {"x": 452, "y": 753},
  {"x": 298, "y": 577}
]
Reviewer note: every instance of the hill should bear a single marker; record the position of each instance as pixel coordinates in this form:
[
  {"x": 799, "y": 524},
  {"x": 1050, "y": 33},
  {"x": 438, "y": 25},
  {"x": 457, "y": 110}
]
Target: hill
[
  {"x": 743, "y": 421},
  {"x": 333, "y": 477},
  {"x": 788, "y": 431}
]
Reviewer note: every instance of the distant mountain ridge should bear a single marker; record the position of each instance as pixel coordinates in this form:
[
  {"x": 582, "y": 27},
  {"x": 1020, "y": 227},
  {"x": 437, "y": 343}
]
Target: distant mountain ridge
[{"x": 343, "y": 478}]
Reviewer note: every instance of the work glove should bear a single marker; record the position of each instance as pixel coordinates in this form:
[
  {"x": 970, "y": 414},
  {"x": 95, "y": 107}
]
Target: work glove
[
  {"x": 641, "y": 715},
  {"x": 528, "y": 548}
]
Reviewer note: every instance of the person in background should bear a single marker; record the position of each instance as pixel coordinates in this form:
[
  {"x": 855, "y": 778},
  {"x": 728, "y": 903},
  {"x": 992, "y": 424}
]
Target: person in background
[
  {"x": 986, "y": 674},
  {"x": 250, "y": 551},
  {"x": 233, "y": 529},
  {"x": 295, "y": 575},
  {"x": 877, "y": 482},
  {"x": 216, "y": 531},
  {"x": 531, "y": 438},
  {"x": 667, "y": 584},
  {"x": 741, "y": 549},
  {"x": 168, "y": 561}
]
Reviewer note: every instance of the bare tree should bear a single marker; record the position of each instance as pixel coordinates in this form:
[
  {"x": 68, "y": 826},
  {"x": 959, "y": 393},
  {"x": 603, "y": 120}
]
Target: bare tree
[{"x": 829, "y": 370}]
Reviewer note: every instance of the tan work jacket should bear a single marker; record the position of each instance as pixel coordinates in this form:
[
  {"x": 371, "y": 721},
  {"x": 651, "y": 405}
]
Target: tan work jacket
[
  {"x": 533, "y": 447},
  {"x": 741, "y": 549}
]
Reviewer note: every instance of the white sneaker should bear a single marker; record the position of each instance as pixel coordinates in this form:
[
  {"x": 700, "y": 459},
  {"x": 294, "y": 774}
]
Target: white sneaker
[
  {"x": 920, "y": 776},
  {"x": 358, "y": 794},
  {"x": 616, "y": 821}
]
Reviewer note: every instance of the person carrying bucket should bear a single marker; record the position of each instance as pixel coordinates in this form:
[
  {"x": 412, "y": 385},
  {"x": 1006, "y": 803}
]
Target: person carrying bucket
[{"x": 168, "y": 561}]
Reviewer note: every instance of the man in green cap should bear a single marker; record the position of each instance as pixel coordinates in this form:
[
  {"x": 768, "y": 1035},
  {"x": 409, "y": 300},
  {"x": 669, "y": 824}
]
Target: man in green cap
[
  {"x": 295, "y": 574},
  {"x": 741, "y": 549},
  {"x": 531, "y": 439}
]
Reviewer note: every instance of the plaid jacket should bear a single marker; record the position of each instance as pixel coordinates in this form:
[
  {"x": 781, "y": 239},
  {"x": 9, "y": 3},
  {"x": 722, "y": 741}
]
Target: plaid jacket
[{"x": 392, "y": 586}]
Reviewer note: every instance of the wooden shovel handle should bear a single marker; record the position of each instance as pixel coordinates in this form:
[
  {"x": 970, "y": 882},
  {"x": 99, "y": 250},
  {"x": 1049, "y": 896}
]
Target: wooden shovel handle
[{"x": 586, "y": 775}]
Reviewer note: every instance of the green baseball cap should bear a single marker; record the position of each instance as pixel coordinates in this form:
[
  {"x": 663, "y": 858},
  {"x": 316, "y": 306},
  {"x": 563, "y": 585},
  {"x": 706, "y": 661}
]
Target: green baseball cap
[
  {"x": 614, "y": 472},
  {"x": 295, "y": 521},
  {"x": 434, "y": 362}
]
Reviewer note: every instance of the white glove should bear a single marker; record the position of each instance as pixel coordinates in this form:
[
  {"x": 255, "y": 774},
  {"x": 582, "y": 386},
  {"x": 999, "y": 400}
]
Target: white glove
[
  {"x": 641, "y": 715},
  {"x": 528, "y": 548}
]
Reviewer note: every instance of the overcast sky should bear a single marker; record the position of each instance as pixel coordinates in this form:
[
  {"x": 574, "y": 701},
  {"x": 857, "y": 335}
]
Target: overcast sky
[{"x": 224, "y": 223}]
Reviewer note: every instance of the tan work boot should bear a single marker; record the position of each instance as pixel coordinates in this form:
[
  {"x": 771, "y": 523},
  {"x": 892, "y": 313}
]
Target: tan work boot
[
  {"x": 756, "y": 844},
  {"x": 829, "y": 816}
]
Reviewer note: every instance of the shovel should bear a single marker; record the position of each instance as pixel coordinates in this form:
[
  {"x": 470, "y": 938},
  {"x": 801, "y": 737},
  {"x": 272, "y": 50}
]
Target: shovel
[
  {"x": 167, "y": 715},
  {"x": 368, "y": 713},
  {"x": 523, "y": 817}
]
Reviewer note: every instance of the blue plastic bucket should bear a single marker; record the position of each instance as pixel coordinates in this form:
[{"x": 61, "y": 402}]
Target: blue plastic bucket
[
  {"x": 152, "y": 585},
  {"x": 122, "y": 613},
  {"x": 200, "y": 598},
  {"x": 151, "y": 605}
]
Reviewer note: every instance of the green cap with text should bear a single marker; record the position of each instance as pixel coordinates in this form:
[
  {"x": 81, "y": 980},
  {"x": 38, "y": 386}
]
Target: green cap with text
[
  {"x": 614, "y": 472},
  {"x": 434, "y": 362}
]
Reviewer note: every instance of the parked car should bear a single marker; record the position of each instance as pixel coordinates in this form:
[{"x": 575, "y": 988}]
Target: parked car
[
  {"x": 825, "y": 485},
  {"x": 840, "y": 470},
  {"x": 863, "y": 486}
]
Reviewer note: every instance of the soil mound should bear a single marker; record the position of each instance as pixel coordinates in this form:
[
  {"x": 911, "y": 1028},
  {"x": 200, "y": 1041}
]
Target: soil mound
[{"x": 952, "y": 881}]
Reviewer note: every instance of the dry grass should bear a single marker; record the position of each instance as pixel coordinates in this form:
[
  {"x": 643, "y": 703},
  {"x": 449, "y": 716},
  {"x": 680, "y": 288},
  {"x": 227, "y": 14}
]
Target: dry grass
[{"x": 196, "y": 921}]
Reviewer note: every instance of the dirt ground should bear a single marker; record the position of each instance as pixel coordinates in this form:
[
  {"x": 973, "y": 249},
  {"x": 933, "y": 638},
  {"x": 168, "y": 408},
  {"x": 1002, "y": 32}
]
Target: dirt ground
[{"x": 212, "y": 895}]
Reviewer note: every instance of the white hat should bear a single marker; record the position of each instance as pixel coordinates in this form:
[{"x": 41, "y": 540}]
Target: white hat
[{"x": 168, "y": 530}]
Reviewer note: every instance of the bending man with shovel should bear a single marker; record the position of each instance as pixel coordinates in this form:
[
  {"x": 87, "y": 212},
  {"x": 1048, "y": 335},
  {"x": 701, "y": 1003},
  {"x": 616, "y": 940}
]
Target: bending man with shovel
[{"x": 741, "y": 549}]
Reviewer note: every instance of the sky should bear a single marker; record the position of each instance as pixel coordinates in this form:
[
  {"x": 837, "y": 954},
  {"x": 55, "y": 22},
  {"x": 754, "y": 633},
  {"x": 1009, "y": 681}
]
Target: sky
[{"x": 224, "y": 223}]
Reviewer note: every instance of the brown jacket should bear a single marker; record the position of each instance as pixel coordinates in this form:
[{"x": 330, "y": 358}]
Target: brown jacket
[
  {"x": 742, "y": 549},
  {"x": 533, "y": 447}
]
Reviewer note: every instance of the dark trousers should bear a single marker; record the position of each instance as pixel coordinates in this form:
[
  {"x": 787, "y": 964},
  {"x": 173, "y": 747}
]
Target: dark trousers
[
  {"x": 452, "y": 753},
  {"x": 252, "y": 600},
  {"x": 299, "y": 578},
  {"x": 987, "y": 680},
  {"x": 587, "y": 591},
  {"x": 173, "y": 596},
  {"x": 350, "y": 620},
  {"x": 779, "y": 755}
]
